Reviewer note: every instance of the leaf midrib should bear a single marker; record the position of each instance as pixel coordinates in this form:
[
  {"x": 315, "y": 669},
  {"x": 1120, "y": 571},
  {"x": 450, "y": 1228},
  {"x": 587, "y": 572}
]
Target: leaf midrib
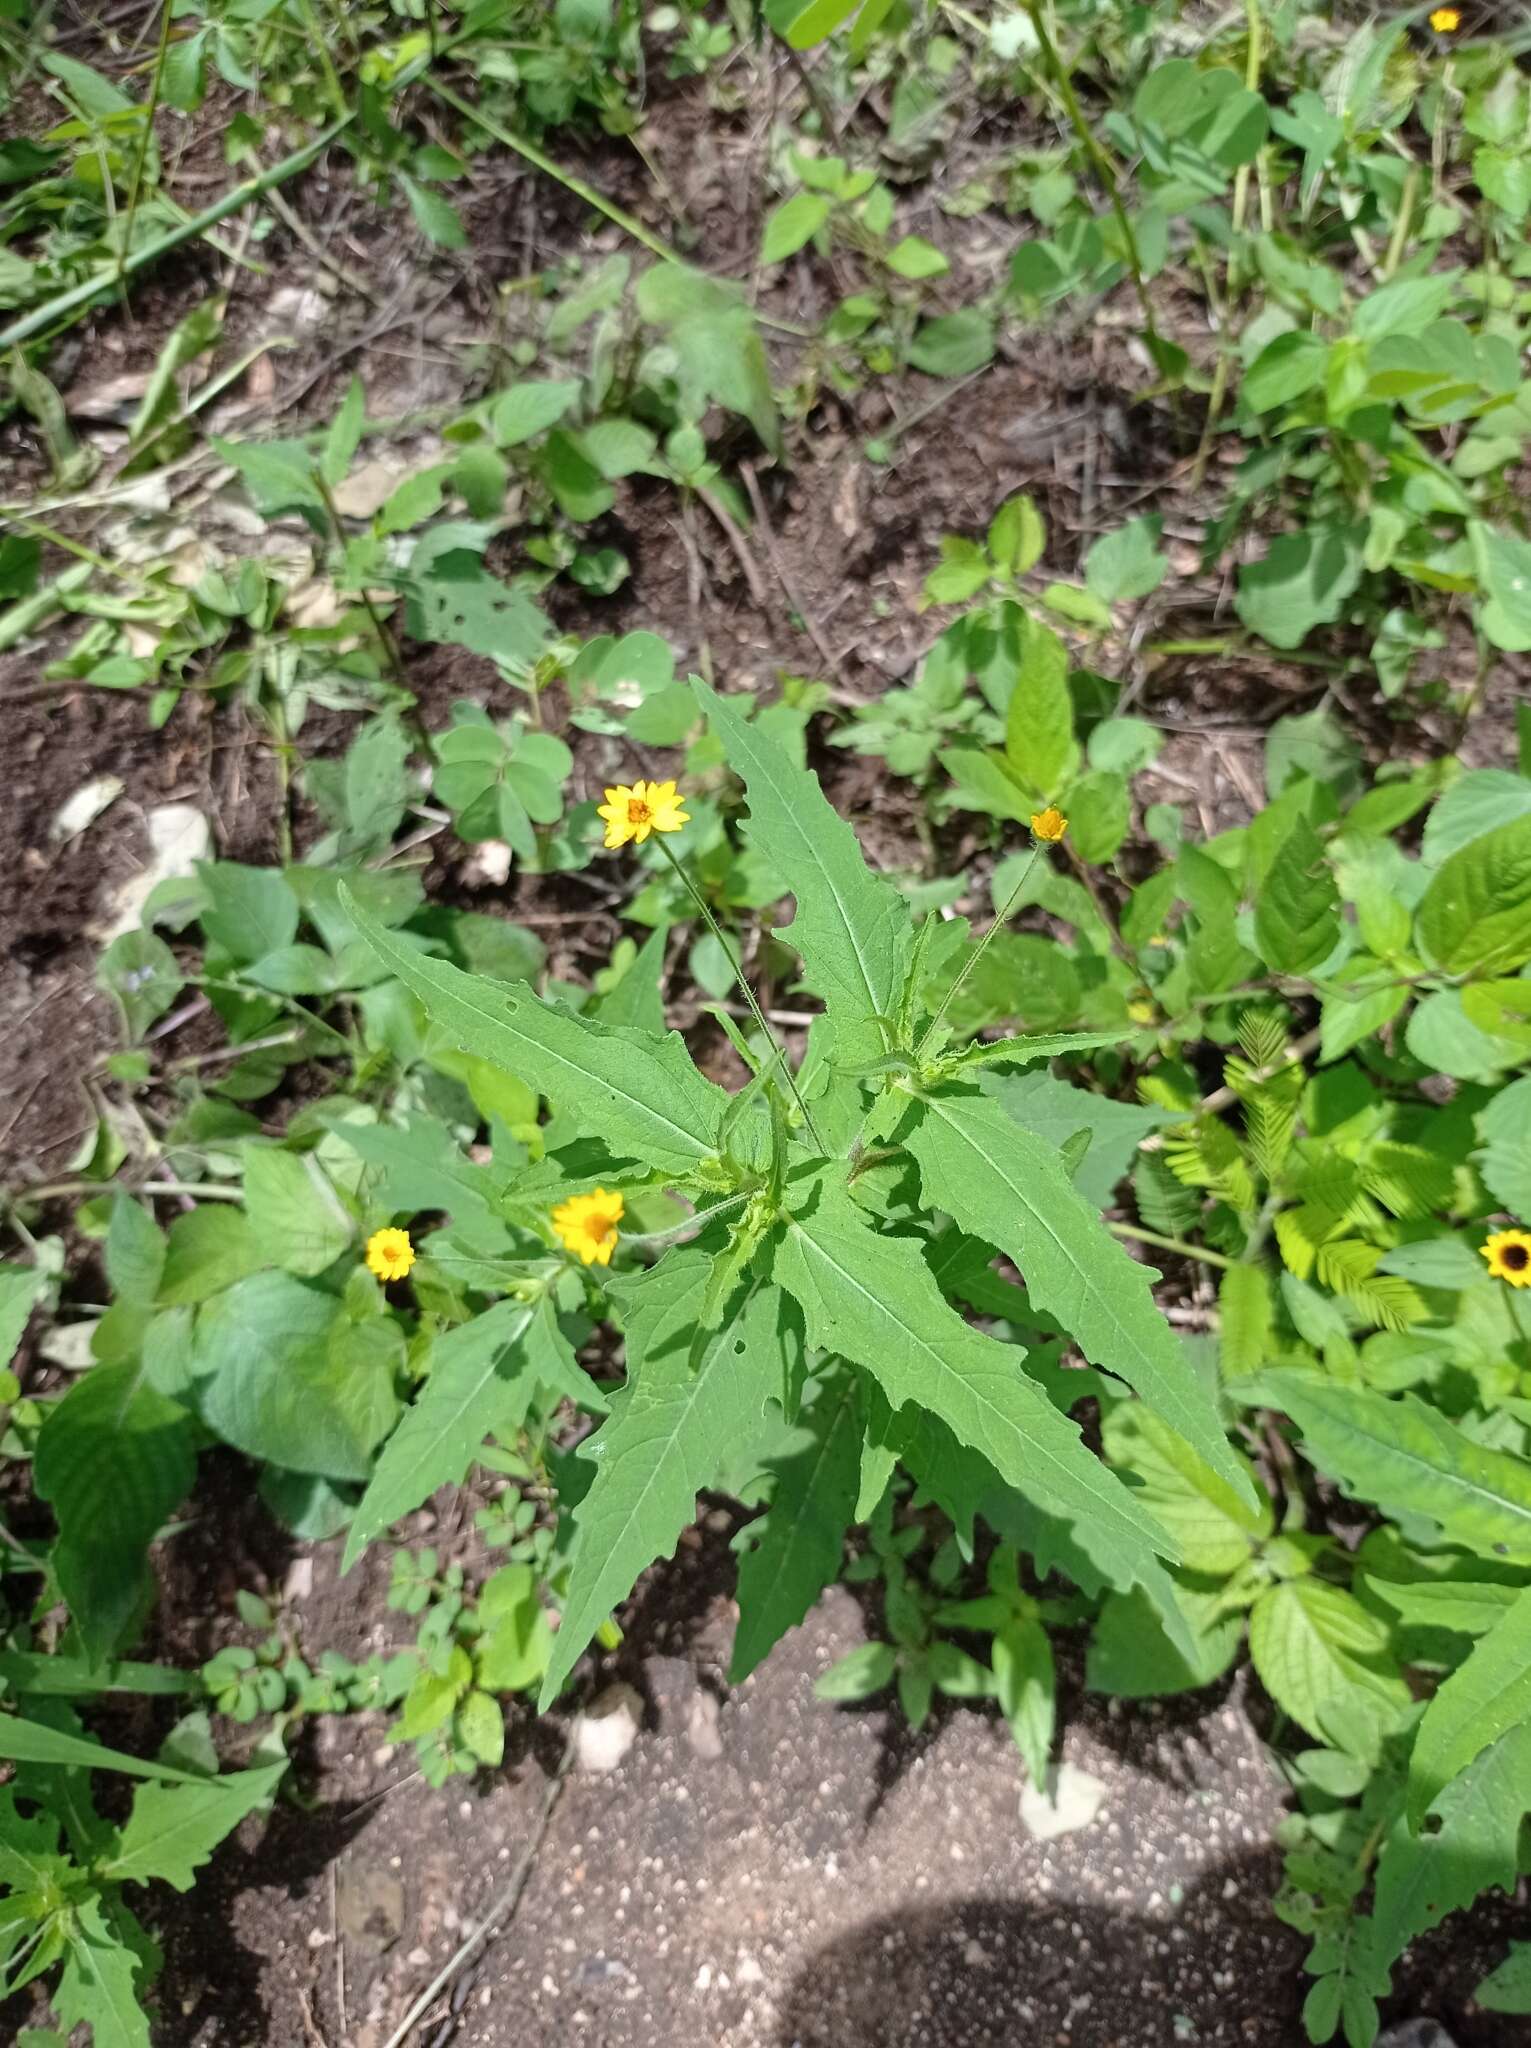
[
  {"x": 1153, "y": 1535},
  {"x": 1107, "y": 1307},
  {"x": 767, "y": 772},
  {"x": 384, "y": 943},
  {"x": 1474, "y": 1489},
  {"x": 698, "y": 1385}
]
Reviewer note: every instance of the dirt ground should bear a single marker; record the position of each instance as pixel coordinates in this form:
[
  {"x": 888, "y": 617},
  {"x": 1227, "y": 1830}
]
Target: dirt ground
[{"x": 761, "y": 1870}]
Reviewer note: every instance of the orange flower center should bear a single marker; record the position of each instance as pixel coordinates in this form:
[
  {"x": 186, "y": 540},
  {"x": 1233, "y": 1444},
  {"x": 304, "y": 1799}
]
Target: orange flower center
[{"x": 638, "y": 812}]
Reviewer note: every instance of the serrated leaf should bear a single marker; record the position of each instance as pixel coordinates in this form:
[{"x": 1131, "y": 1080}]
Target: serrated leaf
[
  {"x": 1131, "y": 1657},
  {"x": 1039, "y": 719},
  {"x": 801, "y": 1538},
  {"x": 1350, "y": 1268},
  {"x": 530, "y": 408},
  {"x": 1476, "y": 803},
  {"x": 344, "y": 436},
  {"x": 279, "y": 1379},
  {"x": 871, "y": 1297},
  {"x": 173, "y": 1829},
  {"x": 1475, "y": 917},
  {"x": 1465, "y": 1606},
  {"x": 1008, "y": 1186},
  {"x": 114, "y": 1458},
  {"x": 691, "y": 1399},
  {"x": 1505, "y": 1161},
  {"x": 1054, "y": 1110},
  {"x": 135, "y": 1258},
  {"x": 641, "y": 1093},
  {"x": 1487, "y": 1695},
  {"x": 1244, "y": 1315},
  {"x": 1422, "y": 1878},
  {"x": 1408, "y": 1459},
  {"x": 1323, "y": 1660},
  {"x": 851, "y": 927},
  {"x": 1213, "y": 1527},
  {"x": 97, "y": 1986},
  {"x": 480, "y": 1383},
  {"x": 1296, "y": 912},
  {"x": 298, "y": 1219},
  {"x": 418, "y": 1165}
]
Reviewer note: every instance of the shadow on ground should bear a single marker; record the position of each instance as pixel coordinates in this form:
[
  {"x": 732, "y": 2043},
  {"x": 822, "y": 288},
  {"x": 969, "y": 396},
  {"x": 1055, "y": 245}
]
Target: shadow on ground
[
  {"x": 978, "y": 1970},
  {"x": 982, "y": 1972}
]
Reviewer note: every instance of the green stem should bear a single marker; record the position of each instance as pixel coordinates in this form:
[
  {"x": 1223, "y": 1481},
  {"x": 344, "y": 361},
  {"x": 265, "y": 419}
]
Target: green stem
[
  {"x": 1399, "y": 240},
  {"x": 388, "y": 647},
  {"x": 693, "y": 1225},
  {"x": 320, "y": 43},
  {"x": 1105, "y": 169},
  {"x": 1233, "y": 283},
  {"x": 102, "y": 285},
  {"x": 1171, "y": 1244},
  {"x": 57, "y": 1191},
  {"x": 136, "y": 180},
  {"x": 748, "y": 993},
  {"x": 545, "y": 164},
  {"x": 977, "y": 954}
]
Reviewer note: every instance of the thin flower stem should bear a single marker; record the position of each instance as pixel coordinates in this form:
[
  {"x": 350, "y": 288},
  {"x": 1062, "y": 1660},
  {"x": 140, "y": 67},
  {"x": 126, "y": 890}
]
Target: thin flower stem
[
  {"x": 1096, "y": 152},
  {"x": 1171, "y": 1244},
  {"x": 748, "y": 993},
  {"x": 977, "y": 954}
]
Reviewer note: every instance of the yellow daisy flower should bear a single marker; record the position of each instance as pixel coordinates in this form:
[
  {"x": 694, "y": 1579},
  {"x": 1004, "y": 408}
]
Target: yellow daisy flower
[
  {"x": 390, "y": 1254},
  {"x": 1446, "y": 20},
  {"x": 587, "y": 1224},
  {"x": 633, "y": 813},
  {"x": 1049, "y": 826},
  {"x": 1509, "y": 1256}
]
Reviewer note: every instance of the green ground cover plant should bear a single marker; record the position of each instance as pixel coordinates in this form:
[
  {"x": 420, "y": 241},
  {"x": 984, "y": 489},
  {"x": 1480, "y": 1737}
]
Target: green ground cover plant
[{"x": 875, "y": 1266}]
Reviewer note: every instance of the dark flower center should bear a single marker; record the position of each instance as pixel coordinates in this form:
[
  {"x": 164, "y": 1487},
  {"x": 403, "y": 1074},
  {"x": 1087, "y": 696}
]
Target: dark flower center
[{"x": 1516, "y": 1257}]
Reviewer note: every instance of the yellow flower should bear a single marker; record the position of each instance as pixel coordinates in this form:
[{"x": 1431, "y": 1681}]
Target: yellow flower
[
  {"x": 1509, "y": 1256},
  {"x": 1446, "y": 20},
  {"x": 646, "y": 807},
  {"x": 1049, "y": 826},
  {"x": 390, "y": 1254},
  {"x": 588, "y": 1225}
]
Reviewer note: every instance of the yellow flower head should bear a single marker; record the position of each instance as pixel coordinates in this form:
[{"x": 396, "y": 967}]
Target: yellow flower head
[
  {"x": 1049, "y": 826},
  {"x": 587, "y": 1225},
  {"x": 646, "y": 807},
  {"x": 390, "y": 1254},
  {"x": 1446, "y": 20},
  {"x": 1509, "y": 1256}
]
